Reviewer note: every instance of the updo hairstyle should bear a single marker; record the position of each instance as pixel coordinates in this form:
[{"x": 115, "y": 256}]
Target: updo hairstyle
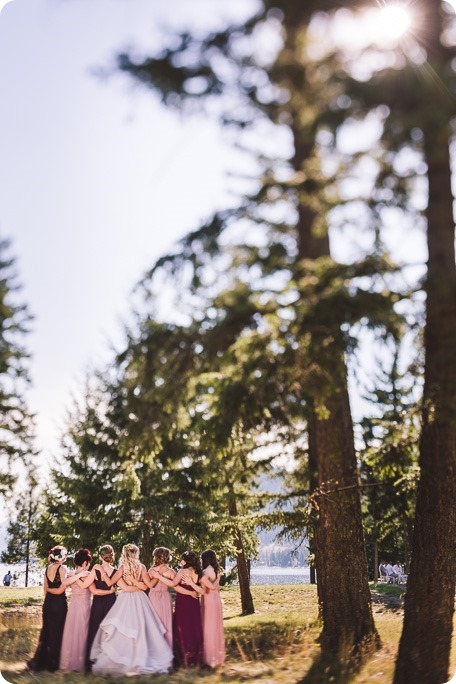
[
  {"x": 161, "y": 555},
  {"x": 82, "y": 556},
  {"x": 191, "y": 560},
  {"x": 106, "y": 553},
  {"x": 58, "y": 553}
]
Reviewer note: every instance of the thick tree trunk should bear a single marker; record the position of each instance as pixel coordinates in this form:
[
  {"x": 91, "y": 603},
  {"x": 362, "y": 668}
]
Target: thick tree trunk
[
  {"x": 424, "y": 648},
  {"x": 342, "y": 575},
  {"x": 348, "y": 626},
  {"x": 242, "y": 564}
]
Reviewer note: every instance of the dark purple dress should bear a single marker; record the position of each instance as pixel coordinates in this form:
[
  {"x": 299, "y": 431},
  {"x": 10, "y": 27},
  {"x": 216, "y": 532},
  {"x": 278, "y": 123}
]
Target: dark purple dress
[
  {"x": 101, "y": 605},
  {"x": 47, "y": 654},
  {"x": 187, "y": 630}
]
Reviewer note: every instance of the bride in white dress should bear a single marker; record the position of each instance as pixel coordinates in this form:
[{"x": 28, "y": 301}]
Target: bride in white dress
[{"x": 130, "y": 639}]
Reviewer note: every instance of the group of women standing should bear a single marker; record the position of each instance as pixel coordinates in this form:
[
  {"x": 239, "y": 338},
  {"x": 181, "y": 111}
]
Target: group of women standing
[{"x": 130, "y": 633}]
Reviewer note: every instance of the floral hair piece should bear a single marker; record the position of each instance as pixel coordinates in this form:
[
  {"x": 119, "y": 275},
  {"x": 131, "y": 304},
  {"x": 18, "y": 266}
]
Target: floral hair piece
[{"x": 58, "y": 553}]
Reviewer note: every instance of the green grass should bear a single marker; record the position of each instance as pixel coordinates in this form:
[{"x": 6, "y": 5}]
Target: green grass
[
  {"x": 276, "y": 645},
  {"x": 388, "y": 589},
  {"x": 9, "y": 596}
]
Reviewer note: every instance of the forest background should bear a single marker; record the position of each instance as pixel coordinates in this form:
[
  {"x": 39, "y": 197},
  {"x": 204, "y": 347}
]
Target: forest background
[{"x": 237, "y": 351}]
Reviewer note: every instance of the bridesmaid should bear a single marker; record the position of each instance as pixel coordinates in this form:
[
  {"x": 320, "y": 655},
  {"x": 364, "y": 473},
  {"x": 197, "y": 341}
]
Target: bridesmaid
[
  {"x": 212, "y": 611},
  {"x": 103, "y": 597},
  {"x": 47, "y": 654},
  {"x": 74, "y": 641},
  {"x": 159, "y": 594},
  {"x": 187, "y": 624}
]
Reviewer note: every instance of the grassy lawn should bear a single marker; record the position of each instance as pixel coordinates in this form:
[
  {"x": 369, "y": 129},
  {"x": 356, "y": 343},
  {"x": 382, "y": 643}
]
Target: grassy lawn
[{"x": 276, "y": 645}]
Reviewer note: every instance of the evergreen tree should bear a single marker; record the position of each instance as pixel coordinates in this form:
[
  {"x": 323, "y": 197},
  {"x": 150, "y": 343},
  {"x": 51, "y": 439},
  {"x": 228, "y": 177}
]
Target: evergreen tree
[
  {"x": 16, "y": 423},
  {"x": 20, "y": 546},
  {"x": 290, "y": 91},
  {"x": 415, "y": 104},
  {"x": 389, "y": 460}
]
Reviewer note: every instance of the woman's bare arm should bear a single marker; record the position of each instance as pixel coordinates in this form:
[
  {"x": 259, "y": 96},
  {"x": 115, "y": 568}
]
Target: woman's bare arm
[
  {"x": 207, "y": 582},
  {"x": 87, "y": 581},
  {"x": 101, "y": 592},
  {"x": 187, "y": 592},
  {"x": 74, "y": 577},
  {"x": 114, "y": 579},
  {"x": 187, "y": 579},
  {"x": 127, "y": 587},
  {"x": 170, "y": 583}
]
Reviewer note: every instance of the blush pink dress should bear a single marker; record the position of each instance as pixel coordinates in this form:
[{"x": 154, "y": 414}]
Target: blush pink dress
[
  {"x": 213, "y": 633},
  {"x": 162, "y": 602},
  {"x": 74, "y": 641}
]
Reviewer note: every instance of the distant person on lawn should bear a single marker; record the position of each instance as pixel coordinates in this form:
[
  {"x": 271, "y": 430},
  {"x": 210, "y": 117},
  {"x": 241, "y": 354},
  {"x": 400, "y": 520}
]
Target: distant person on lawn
[{"x": 7, "y": 579}]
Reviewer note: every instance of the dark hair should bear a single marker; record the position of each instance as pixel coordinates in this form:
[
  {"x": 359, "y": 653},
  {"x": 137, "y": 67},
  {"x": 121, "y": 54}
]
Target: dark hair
[
  {"x": 161, "y": 555},
  {"x": 58, "y": 553},
  {"x": 81, "y": 556},
  {"x": 191, "y": 560},
  {"x": 208, "y": 557}
]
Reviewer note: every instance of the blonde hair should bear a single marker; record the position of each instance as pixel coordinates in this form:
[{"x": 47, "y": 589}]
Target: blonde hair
[
  {"x": 130, "y": 561},
  {"x": 106, "y": 553},
  {"x": 161, "y": 555}
]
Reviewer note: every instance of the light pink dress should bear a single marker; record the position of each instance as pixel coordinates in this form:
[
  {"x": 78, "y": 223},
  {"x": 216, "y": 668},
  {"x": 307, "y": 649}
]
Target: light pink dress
[
  {"x": 213, "y": 634},
  {"x": 72, "y": 655},
  {"x": 162, "y": 602}
]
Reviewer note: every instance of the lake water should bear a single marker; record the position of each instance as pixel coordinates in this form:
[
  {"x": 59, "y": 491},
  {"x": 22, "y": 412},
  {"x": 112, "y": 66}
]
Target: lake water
[
  {"x": 18, "y": 572},
  {"x": 260, "y": 574}
]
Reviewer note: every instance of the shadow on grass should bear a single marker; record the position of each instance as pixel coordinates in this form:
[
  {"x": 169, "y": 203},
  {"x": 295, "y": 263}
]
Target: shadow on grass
[
  {"x": 322, "y": 672},
  {"x": 390, "y": 602},
  {"x": 262, "y": 640}
]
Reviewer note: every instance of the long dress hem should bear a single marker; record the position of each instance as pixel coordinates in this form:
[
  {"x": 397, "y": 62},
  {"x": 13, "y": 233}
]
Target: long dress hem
[{"x": 130, "y": 639}]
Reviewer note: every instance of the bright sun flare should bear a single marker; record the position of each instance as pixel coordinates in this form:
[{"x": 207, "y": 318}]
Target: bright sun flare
[
  {"x": 393, "y": 21},
  {"x": 381, "y": 25}
]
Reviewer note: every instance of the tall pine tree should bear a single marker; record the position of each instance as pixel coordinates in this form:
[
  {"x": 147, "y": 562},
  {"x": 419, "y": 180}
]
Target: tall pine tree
[{"x": 16, "y": 421}]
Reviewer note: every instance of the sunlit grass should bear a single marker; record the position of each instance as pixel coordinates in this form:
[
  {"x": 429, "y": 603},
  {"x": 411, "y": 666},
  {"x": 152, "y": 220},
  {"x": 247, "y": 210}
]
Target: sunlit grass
[
  {"x": 276, "y": 645},
  {"x": 10, "y": 596}
]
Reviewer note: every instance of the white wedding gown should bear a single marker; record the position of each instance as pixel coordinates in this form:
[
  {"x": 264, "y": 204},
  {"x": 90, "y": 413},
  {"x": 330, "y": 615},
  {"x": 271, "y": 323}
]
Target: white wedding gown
[{"x": 130, "y": 639}]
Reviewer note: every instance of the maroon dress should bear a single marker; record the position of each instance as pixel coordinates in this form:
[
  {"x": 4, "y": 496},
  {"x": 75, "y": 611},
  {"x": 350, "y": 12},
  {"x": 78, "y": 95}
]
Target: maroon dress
[{"x": 187, "y": 630}]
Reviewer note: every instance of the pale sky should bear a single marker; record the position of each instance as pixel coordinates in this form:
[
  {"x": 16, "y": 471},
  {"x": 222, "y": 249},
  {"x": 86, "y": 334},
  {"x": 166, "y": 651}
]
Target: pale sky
[{"x": 97, "y": 179}]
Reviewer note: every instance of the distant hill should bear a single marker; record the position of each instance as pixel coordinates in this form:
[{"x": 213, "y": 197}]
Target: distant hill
[{"x": 272, "y": 552}]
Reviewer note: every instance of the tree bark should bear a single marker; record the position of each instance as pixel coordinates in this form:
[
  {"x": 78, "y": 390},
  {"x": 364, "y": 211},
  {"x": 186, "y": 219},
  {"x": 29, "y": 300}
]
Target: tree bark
[
  {"x": 242, "y": 564},
  {"x": 146, "y": 539},
  {"x": 348, "y": 631},
  {"x": 376, "y": 562},
  {"x": 425, "y": 643},
  {"x": 27, "y": 543}
]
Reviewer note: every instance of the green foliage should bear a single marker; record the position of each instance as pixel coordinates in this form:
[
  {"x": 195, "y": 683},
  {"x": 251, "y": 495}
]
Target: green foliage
[
  {"x": 19, "y": 531},
  {"x": 389, "y": 458},
  {"x": 16, "y": 422}
]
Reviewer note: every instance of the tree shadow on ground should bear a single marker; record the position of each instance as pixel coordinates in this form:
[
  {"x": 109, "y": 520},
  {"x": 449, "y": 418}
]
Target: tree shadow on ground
[
  {"x": 322, "y": 672},
  {"x": 387, "y": 602}
]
